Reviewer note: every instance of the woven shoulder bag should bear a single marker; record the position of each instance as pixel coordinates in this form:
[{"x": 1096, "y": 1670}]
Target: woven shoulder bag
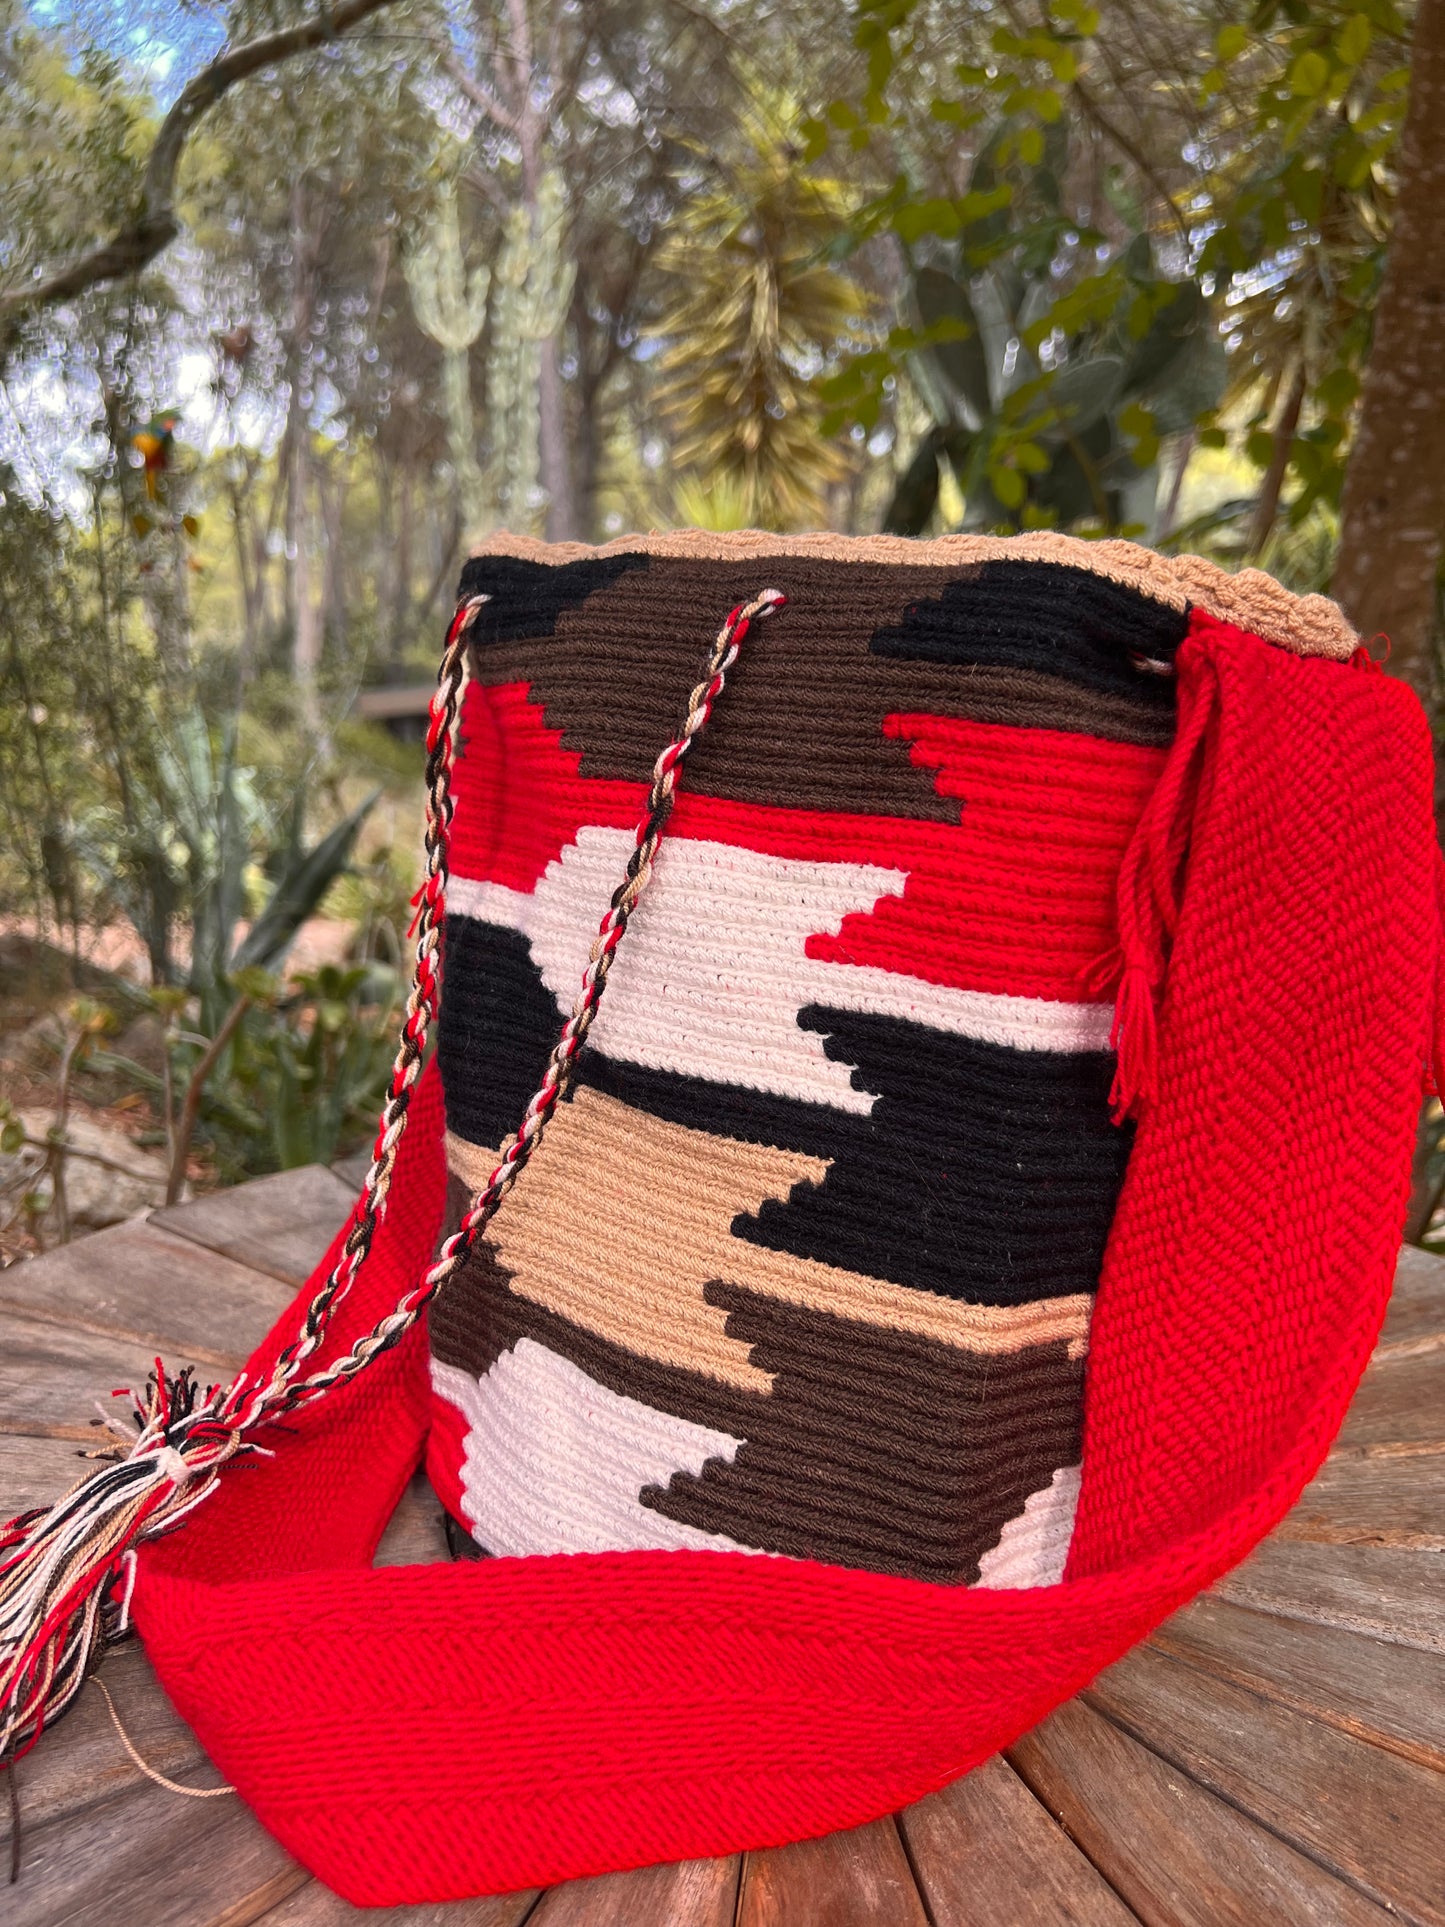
[{"x": 893, "y": 1171}]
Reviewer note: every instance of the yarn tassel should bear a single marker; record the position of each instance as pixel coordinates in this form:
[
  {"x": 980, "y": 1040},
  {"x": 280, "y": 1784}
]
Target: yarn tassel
[
  {"x": 1150, "y": 891},
  {"x": 1135, "y": 1040},
  {"x": 60, "y": 1565}
]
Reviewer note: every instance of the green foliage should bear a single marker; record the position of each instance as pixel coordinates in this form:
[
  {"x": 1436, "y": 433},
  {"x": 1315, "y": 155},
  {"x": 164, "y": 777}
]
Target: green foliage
[
  {"x": 301, "y": 1077},
  {"x": 1252, "y": 144},
  {"x": 1305, "y": 104},
  {"x": 309, "y": 1070},
  {"x": 1049, "y": 387},
  {"x": 74, "y": 133}
]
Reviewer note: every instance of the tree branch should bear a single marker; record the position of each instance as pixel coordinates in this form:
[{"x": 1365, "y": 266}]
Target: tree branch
[
  {"x": 191, "y": 1106},
  {"x": 1131, "y": 150},
  {"x": 480, "y": 95},
  {"x": 154, "y": 225}
]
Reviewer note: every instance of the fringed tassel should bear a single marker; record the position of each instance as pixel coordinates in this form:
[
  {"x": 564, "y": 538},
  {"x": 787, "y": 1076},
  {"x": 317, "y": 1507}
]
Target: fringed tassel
[
  {"x": 56, "y": 1565},
  {"x": 1150, "y": 890},
  {"x": 1135, "y": 1040}
]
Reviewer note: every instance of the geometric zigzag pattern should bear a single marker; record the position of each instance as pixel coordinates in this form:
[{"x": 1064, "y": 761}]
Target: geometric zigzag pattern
[{"x": 806, "y": 1262}]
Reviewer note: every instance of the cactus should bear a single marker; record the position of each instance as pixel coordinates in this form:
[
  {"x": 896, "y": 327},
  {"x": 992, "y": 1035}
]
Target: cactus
[
  {"x": 531, "y": 287},
  {"x": 451, "y": 306}
]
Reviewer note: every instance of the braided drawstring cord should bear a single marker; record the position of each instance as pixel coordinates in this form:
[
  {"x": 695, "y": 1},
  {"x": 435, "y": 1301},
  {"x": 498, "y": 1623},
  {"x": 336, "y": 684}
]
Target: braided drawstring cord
[{"x": 59, "y": 1565}]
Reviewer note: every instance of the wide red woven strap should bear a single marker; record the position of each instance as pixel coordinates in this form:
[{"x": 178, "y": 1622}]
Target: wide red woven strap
[{"x": 432, "y": 1732}]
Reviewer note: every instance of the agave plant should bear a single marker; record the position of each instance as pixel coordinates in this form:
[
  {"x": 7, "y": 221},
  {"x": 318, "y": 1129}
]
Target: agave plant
[
  {"x": 1050, "y": 407},
  {"x": 193, "y": 824}
]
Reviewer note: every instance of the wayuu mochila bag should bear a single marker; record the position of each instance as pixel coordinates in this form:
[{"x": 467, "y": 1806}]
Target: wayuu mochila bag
[{"x": 908, "y": 1179}]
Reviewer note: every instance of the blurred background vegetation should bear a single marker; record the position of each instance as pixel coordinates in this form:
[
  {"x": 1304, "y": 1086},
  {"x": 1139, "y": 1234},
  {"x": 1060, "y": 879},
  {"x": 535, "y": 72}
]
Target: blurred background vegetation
[{"x": 295, "y": 301}]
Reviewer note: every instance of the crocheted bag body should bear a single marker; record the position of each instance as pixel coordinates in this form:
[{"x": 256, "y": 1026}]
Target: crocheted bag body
[{"x": 807, "y": 1263}]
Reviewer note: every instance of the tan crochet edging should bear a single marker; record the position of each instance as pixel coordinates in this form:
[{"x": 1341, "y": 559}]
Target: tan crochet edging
[{"x": 1310, "y": 625}]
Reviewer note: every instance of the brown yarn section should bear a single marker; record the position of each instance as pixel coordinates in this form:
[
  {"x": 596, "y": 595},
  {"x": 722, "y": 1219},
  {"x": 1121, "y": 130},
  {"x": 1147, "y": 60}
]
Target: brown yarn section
[
  {"x": 626, "y": 1224},
  {"x": 1310, "y": 625},
  {"x": 875, "y": 1448},
  {"x": 879, "y": 1448},
  {"x": 608, "y": 673},
  {"x": 1027, "y": 699}
]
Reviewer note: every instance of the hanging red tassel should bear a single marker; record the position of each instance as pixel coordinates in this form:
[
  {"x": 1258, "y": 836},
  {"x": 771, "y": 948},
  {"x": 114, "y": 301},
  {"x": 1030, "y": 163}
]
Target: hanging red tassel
[
  {"x": 1135, "y": 1039},
  {"x": 1150, "y": 886}
]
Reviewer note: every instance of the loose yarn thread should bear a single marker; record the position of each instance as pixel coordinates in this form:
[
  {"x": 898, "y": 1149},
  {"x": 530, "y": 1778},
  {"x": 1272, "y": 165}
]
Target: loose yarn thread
[{"x": 58, "y": 1564}]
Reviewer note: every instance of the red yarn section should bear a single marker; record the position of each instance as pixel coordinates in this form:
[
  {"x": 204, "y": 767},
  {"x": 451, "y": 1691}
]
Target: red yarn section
[
  {"x": 421, "y": 1734},
  {"x": 1018, "y": 898}
]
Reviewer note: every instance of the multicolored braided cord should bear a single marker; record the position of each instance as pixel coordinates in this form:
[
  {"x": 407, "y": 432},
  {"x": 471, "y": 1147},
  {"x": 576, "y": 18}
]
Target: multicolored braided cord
[{"x": 60, "y": 1565}]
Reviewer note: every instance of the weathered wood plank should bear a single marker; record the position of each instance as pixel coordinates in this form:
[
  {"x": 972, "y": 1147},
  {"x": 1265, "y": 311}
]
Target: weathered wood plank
[
  {"x": 1381, "y": 1500},
  {"x": 82, "y": 1762},
  {"x": 51, "y": 1376},
  {"x": 1416, "y": 1318},
  {"x": 1177, "y": 1855},
  {"x": 151, "y": 1856},
  {"x": 1377, "y": 1590},
  {"x": 281, "y": 1224},
  {"x": 137, "y": 1281},
  {"x": 35, "y": 1472},
  {"x": 985, "y": 1853},
  {"x": 352, "y": 1170},
  {"x": 1377, "y": 1820},
  {"x": 414, "y": 1535},
  {"x": 1401, "y": 1401},
  {"x": 1390, "y": 1696},
  {"x": 855, "y": 1879},
  {"x": 691, "y": 1893},
  {"x": 315, "y": 1906}
]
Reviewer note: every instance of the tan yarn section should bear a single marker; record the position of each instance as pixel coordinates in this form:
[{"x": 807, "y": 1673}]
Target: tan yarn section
[
  {"x": 627, "y": 1220},
  {"x": 1310, "y": 625}
]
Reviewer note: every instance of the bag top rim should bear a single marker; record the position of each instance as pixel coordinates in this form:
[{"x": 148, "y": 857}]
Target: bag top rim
[{"x": 1309, "y": 625}]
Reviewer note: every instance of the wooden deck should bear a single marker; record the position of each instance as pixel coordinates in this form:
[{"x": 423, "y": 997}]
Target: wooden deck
[{"x": 1275, "y": 1754}]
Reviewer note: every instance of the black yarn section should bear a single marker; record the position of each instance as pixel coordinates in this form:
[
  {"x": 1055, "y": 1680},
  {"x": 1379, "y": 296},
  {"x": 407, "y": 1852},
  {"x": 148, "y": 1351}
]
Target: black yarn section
[
  {"x": 982, "y": 1172},
  {"x": 986, "y": 1173},
  {"x": 498, "y": 1024},
  {"x": 526, "y": 598},
  {"x": 1044, "y": 616},
  {"x": 726, "y": 1110}
]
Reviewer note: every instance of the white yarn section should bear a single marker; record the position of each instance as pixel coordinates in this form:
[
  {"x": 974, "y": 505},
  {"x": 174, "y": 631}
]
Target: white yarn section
[
  {"x": 715, "y": 971},
  {"x": 555, "y": 1462},
  {"x": 1034, "y": 1546}
]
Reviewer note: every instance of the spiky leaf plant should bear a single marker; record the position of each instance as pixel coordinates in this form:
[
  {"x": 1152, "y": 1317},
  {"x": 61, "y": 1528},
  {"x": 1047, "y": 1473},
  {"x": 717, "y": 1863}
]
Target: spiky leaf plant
[{"x": 757, "y": 312}]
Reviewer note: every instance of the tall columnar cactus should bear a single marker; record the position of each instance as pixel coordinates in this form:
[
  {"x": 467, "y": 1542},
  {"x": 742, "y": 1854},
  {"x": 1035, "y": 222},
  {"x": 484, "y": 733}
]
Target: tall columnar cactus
[
  {"x": 531, "y": 287},
  {"x": 451, "y": 307}
]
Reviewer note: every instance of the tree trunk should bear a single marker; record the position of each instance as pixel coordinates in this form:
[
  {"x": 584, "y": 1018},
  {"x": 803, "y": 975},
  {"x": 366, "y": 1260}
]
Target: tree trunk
[
  {"x": 305, "y": 609},
  {"x": 1393, "y": 513},
  {"x": 1271, "y": 487},
  {"x": 556, "y": 456}
]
